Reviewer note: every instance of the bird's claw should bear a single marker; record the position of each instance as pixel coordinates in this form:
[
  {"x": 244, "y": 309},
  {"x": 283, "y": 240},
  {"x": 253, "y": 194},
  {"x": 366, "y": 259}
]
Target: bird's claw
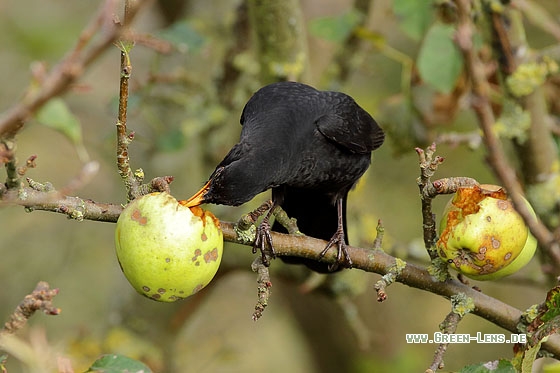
[
  {"x": 342, "y": 256},
  {"x": 263, "y": 237}
]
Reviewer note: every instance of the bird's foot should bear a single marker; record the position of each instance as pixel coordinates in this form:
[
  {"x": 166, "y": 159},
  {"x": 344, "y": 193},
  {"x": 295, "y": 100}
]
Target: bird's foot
[
  {"x": 260, "y": 236},
  {"x": 262, "y": 239},
  {"x": 342, "y": 256}
]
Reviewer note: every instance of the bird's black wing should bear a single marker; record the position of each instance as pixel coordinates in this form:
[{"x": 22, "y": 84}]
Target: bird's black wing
[{"x": 352, "y": 128}]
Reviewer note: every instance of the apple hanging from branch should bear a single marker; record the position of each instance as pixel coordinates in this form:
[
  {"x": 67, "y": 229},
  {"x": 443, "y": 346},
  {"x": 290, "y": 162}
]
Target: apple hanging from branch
[
  {"x": 482, "y": 236},
  {"x": 167, "y": 251}
]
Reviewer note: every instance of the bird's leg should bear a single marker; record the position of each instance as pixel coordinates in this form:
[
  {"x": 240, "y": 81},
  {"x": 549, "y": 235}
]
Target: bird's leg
[
  {"x": 263, "y": 236},
  {"x": 338, "y": 239}
]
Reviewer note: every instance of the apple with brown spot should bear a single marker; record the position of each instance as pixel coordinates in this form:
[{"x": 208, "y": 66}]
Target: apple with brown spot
[
  {"x": 482, "y": 235},
  {"x": 167, "y": 251}
]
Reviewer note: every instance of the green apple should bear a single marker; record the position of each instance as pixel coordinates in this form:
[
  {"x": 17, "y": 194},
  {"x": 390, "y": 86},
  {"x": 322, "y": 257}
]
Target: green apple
[
  {"x": 482, "y": 236},
  {"x": 167, "y": 251}
]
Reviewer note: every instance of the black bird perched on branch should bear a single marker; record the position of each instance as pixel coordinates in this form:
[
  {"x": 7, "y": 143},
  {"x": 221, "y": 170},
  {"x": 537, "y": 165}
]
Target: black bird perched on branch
[{"x": 310, "y": 147}]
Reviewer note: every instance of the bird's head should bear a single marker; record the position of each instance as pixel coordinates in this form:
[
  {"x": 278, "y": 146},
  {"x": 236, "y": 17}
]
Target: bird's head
[
  {"x": 227, "y": 185},
  {"x": 205, "y": 193}
]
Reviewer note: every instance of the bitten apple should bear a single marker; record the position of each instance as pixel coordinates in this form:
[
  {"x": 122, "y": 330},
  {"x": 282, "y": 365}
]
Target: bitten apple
[
  {"x": 167, "y": 251},
  {"x": 482, "y": 236}
]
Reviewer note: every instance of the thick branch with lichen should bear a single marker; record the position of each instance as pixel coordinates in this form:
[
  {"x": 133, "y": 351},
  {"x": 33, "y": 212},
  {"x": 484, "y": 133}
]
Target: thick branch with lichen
[
  {"x": 368, "y": 260},
  {"x": 382, "y": 263},
  {"x": 74, "y": 207},
  {"x": 278, "y": 27}
]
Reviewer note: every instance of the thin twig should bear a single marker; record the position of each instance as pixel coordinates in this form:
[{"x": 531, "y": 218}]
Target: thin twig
[
  {"x": 123, "y": 138},
  {"x": 378, "y": 242},
  {"x": 39, "y": 300},
  {"x": 264, "y": 284},
  {"x": 29, "y": 163},
  {"x": 428, "y": 165},
  {"x": 449, "y": 185},
  {"x": 460, "y": 306},
  {"x": 132, "y": 180},
  {"x": 388, "y": 278},
  {"x": 13, "y": 179},
  {"x": 451, "y": 321}
]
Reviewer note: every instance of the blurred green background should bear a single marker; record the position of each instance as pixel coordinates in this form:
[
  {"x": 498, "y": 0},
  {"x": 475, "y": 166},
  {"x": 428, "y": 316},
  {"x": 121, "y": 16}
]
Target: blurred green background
[{"x": 183, "y": 130}]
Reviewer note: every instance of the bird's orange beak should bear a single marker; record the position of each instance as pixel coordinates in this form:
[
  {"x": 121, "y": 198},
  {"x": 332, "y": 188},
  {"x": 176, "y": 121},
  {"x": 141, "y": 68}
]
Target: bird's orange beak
[{"x": 197, "y": 198}]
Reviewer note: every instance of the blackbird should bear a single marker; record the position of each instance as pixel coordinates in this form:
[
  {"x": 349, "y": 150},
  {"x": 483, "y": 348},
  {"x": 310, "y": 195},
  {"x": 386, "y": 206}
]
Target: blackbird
[{"x": 310, "y": 147}]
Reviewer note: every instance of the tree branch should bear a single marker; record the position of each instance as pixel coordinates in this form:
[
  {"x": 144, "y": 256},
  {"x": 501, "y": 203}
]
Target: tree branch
[
  {"x": 282, "y": 51},
  {"x": 380, "y": 262},
  {"x": 53, "y": 201},
  {"x": 368, "y": 260},
  {"x": 71, "y": 67}
]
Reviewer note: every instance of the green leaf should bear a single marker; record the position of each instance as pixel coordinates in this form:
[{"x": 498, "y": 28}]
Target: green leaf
[
  {"x": 552, "y": 304},
  {"x": 335, "y": 29},
  {"x": 118, "y": 364},
  {"x": 183, "y": 37},
  {"x": 56, "y": 115},
  {"x": 547, "y": 321},
  {"x": 529, "y": 357},
  {"x": 415, "y": 16},
  {"x": 439, "y": 61},
  {"x": 498, "y": 366}
]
